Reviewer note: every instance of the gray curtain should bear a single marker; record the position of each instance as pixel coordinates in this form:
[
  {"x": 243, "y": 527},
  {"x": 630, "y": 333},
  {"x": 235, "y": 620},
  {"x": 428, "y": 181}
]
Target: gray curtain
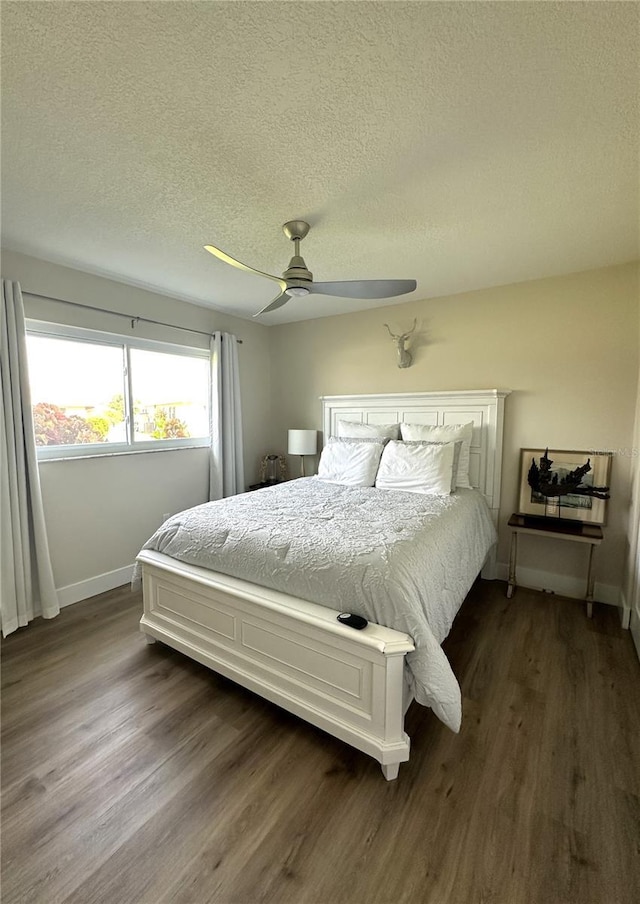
[
  {"x": 26, "y": 578},
  {"x": 227, "y": 460}
]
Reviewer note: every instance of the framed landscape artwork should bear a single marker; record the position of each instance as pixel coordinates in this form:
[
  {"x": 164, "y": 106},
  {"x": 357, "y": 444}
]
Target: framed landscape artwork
[{"x": 565, "y": 484}]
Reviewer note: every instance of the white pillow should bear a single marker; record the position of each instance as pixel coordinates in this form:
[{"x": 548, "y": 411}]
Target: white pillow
[
  {"x": 457, "y": 449},
  {"x": 353, "y": 464},
  {"x": 417, "y": 468},
  {"x": 446, "y": 433},
  {"x": 354, "y": 430}
]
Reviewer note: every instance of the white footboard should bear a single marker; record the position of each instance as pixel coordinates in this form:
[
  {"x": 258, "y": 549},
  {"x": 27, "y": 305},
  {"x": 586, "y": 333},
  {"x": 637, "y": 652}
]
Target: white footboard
[{"x": 292, "y": 652}]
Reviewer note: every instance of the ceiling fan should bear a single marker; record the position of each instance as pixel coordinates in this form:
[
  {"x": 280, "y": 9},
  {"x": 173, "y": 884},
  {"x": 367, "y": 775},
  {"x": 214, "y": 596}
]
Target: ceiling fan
[{"x": 297, "y": 280}]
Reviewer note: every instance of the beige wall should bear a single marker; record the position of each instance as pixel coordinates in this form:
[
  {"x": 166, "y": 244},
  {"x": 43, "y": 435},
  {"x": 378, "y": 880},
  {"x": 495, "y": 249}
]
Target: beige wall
[
  {"x": 100, "y": 511},
  {"x": 567, "y": 347}
]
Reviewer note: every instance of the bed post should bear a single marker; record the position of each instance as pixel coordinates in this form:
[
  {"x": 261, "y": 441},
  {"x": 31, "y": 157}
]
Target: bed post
[{"x": 495, "y": 425}]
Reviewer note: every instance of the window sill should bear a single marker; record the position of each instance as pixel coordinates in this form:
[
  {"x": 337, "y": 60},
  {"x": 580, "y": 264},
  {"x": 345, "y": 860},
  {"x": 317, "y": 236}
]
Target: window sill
[{"x": 76, "y": 456}]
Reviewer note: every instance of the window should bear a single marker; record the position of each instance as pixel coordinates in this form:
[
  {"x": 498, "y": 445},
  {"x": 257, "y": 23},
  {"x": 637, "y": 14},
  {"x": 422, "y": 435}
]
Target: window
[
  {"x": 96, "y": 393},
  {"x": 171, "y": 395}
]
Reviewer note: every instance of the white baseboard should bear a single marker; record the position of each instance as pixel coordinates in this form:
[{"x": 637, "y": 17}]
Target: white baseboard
[
  {"x": 635, "y": 630},
  {"x": 74, "y": 593},
  {"x": 631, "y": 620},
  {"x": 560, "y": 584},
  {"x": 625, "y": 617}
]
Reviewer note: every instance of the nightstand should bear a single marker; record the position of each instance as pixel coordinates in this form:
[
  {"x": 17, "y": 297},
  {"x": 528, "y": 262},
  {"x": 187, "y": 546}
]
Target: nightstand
[
  {"x": 556, "y": 529},
  {"x": 260, "y": 486}
]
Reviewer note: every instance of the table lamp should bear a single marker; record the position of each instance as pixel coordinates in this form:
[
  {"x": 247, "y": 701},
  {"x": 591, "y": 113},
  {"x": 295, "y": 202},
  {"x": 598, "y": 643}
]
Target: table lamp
[{"x": 303, "y": 442}]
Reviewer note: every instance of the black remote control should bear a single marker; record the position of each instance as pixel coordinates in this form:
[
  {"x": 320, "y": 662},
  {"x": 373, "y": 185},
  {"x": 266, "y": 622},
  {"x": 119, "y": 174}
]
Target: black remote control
[{"x": 354, "y": 621}]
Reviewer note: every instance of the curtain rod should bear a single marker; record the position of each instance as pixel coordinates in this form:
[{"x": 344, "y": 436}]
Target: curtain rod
[{"x": 133, "y": 319}]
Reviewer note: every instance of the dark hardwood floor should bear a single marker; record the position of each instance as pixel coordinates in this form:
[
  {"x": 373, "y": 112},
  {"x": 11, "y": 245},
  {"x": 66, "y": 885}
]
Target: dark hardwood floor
[{"x": 115, "y": 793}]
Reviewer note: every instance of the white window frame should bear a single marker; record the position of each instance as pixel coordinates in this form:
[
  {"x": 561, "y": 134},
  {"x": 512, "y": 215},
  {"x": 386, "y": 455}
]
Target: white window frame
[{"x": 131, "y": 447}]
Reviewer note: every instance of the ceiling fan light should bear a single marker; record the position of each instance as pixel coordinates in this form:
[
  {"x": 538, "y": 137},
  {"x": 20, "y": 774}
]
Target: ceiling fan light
[{"x": 297, "y": 291}]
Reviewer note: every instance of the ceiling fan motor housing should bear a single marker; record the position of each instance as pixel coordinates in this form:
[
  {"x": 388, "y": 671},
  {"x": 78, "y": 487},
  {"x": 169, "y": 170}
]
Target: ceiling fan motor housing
[
  {"x": 297, "y": 269},
  {"x": 297, "y": 276}
]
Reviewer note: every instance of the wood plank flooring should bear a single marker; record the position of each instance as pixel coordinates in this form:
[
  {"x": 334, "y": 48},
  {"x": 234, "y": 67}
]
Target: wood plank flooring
[{"x": 209, "y": 795}]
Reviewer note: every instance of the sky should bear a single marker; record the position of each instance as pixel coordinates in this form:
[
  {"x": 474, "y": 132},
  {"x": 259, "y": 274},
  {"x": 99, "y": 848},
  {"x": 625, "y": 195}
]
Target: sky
[{"x": 70, "y": 374}]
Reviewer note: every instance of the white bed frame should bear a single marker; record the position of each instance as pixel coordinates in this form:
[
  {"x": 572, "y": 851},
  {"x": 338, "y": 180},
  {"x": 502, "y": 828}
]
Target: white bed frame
[{"x": 293, "y": 652}]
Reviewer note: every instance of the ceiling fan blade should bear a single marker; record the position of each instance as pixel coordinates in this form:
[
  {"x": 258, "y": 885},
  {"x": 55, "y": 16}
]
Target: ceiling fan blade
[
  {"x": 223, "y": 256},
  {"x": 277, "y": 302},
  {"x": 364, "y": 288}
]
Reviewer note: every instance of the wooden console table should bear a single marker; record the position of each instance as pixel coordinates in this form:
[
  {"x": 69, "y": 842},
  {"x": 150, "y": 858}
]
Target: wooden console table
[{"x": 558, "y": 530}]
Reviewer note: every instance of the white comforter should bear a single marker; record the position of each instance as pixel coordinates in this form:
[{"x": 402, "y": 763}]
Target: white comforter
[{"x": 402, "y": 560}]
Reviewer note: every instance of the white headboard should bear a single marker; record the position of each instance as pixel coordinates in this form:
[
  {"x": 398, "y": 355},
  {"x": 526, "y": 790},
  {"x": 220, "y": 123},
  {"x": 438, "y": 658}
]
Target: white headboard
[{"x": 484, "y": 407}]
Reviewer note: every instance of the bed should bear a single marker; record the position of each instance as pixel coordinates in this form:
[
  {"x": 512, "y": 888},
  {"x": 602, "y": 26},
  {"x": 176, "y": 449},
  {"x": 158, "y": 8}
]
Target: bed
[{"x": 241, "y": 585}]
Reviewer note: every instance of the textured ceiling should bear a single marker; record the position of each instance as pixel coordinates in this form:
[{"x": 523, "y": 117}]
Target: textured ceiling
[{"x": 464, "y": 145}]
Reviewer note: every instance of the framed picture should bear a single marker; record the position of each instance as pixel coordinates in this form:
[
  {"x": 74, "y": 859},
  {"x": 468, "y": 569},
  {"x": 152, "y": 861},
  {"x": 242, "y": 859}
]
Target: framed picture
[{"x": 567, "y": 484}]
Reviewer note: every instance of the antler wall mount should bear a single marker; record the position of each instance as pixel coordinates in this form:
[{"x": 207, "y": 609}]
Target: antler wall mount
[{"x": 405, "y": 358}]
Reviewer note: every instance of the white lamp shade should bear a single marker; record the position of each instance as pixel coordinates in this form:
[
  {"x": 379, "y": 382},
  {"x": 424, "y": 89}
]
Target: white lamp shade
[{"x": 303, "y": 442}]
